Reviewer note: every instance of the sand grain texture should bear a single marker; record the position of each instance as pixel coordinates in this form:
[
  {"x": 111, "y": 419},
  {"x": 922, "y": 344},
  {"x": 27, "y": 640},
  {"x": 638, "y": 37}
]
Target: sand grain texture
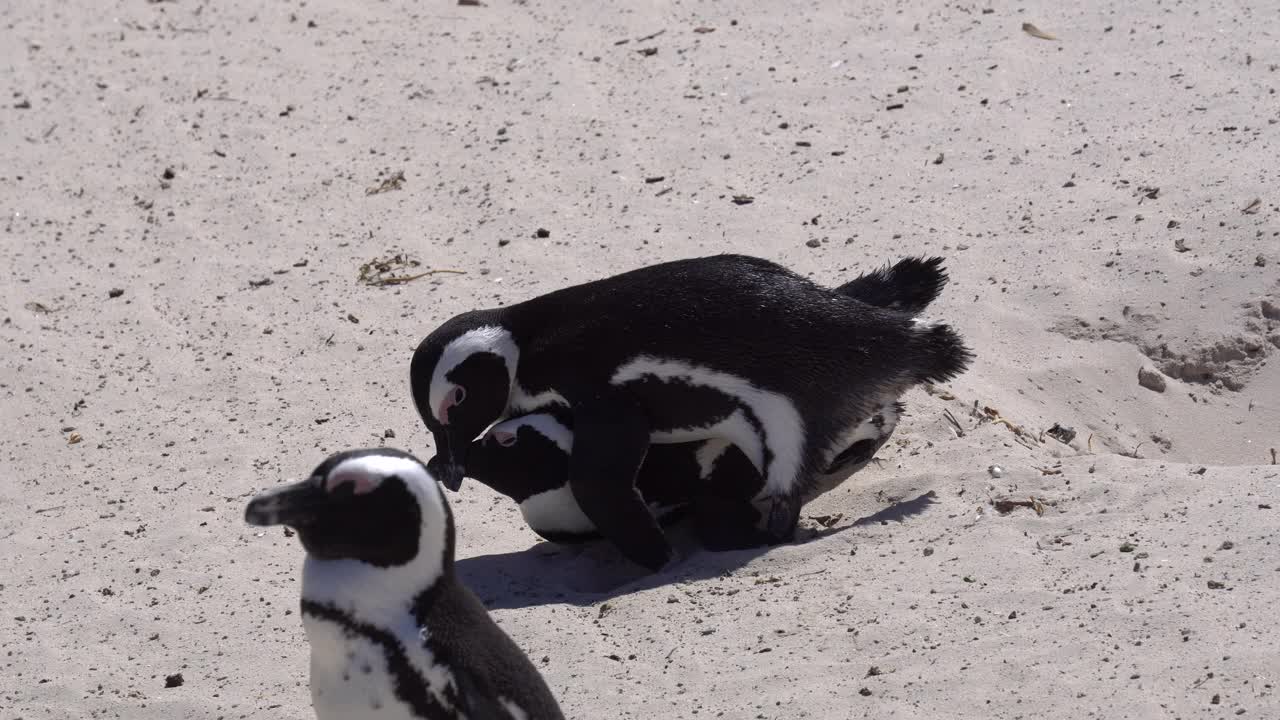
[{"x": 190, "y": 189}]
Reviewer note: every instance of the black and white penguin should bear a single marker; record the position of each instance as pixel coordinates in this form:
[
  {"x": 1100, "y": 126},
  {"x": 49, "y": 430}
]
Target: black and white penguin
[
  {"x": 526, "y": 458},
  {"x": 726, "y": 347},
  {"x": 394, "y": 634}
]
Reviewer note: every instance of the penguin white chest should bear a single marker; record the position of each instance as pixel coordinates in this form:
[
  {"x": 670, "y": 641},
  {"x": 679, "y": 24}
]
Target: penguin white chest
[
  {"x": 350, "y": 676},
  {"x": 557, "y": 511}
]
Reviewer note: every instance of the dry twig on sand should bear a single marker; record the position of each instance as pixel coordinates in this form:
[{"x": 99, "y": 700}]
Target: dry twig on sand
[{"x": 382, "y": 271}]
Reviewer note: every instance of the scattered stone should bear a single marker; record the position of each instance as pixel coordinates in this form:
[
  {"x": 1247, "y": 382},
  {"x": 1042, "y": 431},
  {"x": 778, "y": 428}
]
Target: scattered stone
[
  {"x": 995, "y": 471},
  {"x": 1226, "y": 545},
  {"x": 115, "y": 292},
  {"x": 1062, "y": 434},
  {"x": 1260, "y": 261},
  {"x": 813, "y": 243},
  {"x": 395, "y": 182},
  {"x": 260, "y": 283},
  {"x": 1180, "y": 245},
  {"x": 895, "y": 106},
  {"x": 1215, "y": 585},
  {"x": 928, "y": 551},
  {"x": 655, "y": 179},
  {"x": 648, "y": 52},
  {"x": 865, "y": 692},
  {"x": 1151, "y": 379},
  {"x": 174, "y": 680},
  {"x": 1127, "y": 546},
  {"x": 503, "y": 242},
  {"x": 388, "y": 433},
  {"x": 1036, "y": 32},
  {"x": 743, "y": 199},
  {"x": 938, "y": 160}
]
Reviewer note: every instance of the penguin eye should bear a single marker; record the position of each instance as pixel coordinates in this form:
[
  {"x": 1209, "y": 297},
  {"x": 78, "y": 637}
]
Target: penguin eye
[
  {"x": 505, "y": 439},
  {"x": 459, "y": 394}
]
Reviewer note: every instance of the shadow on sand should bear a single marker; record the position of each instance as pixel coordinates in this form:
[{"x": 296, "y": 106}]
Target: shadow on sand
[{"x": 586, "y": 574}]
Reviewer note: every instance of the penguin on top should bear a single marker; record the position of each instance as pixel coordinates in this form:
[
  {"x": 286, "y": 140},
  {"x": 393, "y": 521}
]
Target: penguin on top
[
  {"x": 726, "y": 347},
  {"x": 526, "y": 458},
  {"x": 394, "y": 634}
]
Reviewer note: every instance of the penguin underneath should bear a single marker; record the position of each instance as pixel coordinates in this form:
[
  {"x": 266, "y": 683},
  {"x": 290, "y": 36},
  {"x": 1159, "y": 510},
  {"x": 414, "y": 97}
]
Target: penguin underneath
[
  {"x": 727, "y": 347},
  {"x": 527, "y": 459},
  {"x": 394, "y": 634}
]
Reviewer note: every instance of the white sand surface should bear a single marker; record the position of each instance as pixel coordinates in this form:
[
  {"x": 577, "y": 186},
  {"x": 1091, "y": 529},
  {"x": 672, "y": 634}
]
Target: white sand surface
[{"x": 1094, "y": 197}]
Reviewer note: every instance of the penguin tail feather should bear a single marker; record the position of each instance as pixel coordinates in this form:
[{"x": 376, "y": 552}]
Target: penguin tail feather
[
  {"x": 908, "y": 285},
  {"x": 941, "y": 352}
]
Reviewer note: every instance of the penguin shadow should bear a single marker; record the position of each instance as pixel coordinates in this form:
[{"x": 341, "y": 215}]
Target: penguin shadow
[
  {"x": 589, "y": 573},
  {"x": 900, "y": 511}
]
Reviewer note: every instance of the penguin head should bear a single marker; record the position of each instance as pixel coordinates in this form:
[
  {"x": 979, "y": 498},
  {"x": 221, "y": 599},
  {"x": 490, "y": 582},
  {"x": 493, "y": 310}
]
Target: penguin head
[
  {"x": 377, "y": 506},
  {"x": 462, "y": 376},
  {"x": 523, "y": 456}
]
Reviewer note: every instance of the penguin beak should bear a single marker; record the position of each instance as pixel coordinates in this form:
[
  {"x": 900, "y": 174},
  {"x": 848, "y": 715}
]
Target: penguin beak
[
  {"x": 446, "y": 471},
  {"x": 449, "y": 464},
  {"x": 296, "y": 504}
]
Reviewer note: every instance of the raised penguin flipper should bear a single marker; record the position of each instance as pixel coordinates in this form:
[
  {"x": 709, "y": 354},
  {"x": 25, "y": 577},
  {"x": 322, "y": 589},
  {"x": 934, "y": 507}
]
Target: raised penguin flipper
[{"x": 908, "y": 285}]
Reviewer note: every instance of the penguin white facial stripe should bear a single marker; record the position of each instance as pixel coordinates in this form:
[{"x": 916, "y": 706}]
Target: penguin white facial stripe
[
  {"x": 784, "y": 429},
  {"x": 544, "y": 424},
  {"x": 376, "y": 594},
  {"x": 370, "y": 470},
  {"x": 489, "y": 338}
]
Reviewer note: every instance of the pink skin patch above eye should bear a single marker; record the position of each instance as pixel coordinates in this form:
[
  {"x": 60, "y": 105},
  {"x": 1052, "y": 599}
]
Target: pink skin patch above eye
[
  {"x": 450, "y": 400},
  {"x": 362, "y": 483},
  {"x": 505, "y": 439}
]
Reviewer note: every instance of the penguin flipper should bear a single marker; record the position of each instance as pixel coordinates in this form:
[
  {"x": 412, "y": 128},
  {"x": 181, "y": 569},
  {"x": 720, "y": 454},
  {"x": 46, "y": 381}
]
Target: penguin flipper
[{"x": 611, "y": 437}]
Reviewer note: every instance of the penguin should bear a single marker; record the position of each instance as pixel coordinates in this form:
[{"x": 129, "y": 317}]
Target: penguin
[
  {"x": 527, "y": 459},
  {"x": 728, "y": 347},
  {"x": 394, "y": 634}
]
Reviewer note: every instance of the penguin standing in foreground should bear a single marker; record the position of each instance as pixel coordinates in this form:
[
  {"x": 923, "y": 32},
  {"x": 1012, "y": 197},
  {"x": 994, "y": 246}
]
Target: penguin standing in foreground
[
  {"x": 727, "y": 347},
  {"x": 527, "y": 459},
  {"x": 394, "y": 634}
]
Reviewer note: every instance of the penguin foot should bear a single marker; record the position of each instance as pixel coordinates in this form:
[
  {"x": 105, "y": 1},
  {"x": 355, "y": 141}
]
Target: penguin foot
[{"x": 784, "y": 516}]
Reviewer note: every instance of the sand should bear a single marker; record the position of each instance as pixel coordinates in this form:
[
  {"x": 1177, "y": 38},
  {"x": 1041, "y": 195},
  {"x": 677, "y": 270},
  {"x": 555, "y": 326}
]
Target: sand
[{"x": 186, "y": 203}]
